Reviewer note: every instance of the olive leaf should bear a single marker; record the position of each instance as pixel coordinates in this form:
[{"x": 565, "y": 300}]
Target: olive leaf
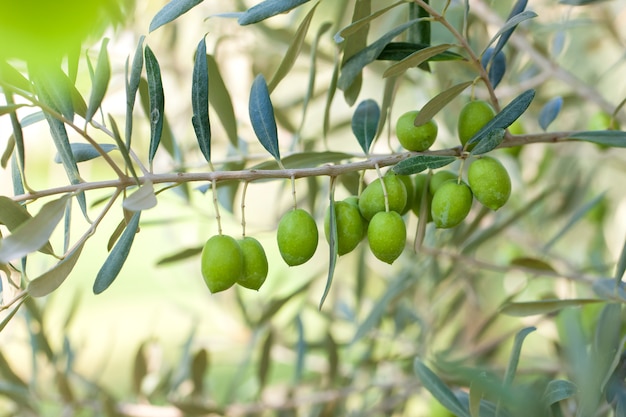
[
  {"x": 34, "y": 233},
  {"x": 267, "y": 9},
  {"x": 157, "y": 101},
  {"x": 262, "y": 116},
  {"x": 365, "y": 123},
  {"x": 114, "y": 262},
  {"x": 200, "y": 100},
  {"x": 419, "y": 163},
  {"x": 171, "y": 11}
]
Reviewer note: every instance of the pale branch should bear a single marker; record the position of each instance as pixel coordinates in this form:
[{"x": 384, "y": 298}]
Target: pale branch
[{"x": 251, "y": 175}]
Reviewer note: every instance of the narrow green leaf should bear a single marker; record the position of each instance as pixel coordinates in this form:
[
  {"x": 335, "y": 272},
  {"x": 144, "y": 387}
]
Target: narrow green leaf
[
  {"x": 267, "y": 9},
  {"x": 114, "y": 262},
  {"x": 576, "y": 217},
  {"x": 157, "y": 101},
  {"x": 293, "y": 51},
  {"x": 171, "y": 11},
  {"x": 415, "y": 59},
  {"x": 489, "y": 142},
  {"x": 13, "y": 214},
  {"x": 359, "y": 24},
  {"x": 607, "y": 343},
  {"x": 612, "y": 138},
  {"x": 374, "y": 317},
  {"x": 558, "y": 390},
  {"x": 515, "y": 354},
  {"x": 532, "y": 263},
  {"x": 142, "y": 199},
  {"x": 305, "y": 160},
  {"x": 132, "y": 80},
  {"x": 330, "y": 95},
  {"x": 180, "y": 255},
  {"x": 140, "y": 368},
  {"x": 518, "y": 8},
  {"x": 53, "y": 86},
  {"x": 397, "y": 51},
  {"x": 332, "y": 244},
  {"x": 549, "y": 112},
  {"x": 300, "y": 350},
  {"x": 200, "y": 101},
  {"x": 9, "y": 316},
  {"x": 419, "y": 163},
  {"x": 365, "y": 123},
  {"x": 122, "y": 147},
  {"x": 511, "y": 24},
  {"x": 439, "y": 389},
  {"x": 52, "y": 279},
  {"x": 198, "y": 368},
  {"x": 610, "y": 289},
  {"x": 64, "y": 149},
  {"x": 421, "y": 33},
  {"x": 434, "y": 105},
  {"x": 262, "y": 116},
  {"x": 85, "y": 151},
  {"x": 265, "y": 360},
  {"x": 354, "y": 44},
  {"x": 34, "y": 233},
  {"x": 353, "y": 67},
  {"x": 532, "y": 308},
  {"x": 507, "y": 116},
  {"x": 221, "y": 101},
  {"x": 99, "y": 82}
]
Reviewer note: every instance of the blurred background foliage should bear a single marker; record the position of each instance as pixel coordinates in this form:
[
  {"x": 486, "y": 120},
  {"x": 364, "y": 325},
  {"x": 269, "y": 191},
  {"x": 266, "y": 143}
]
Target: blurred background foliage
[{"x": 514, "y": 312}]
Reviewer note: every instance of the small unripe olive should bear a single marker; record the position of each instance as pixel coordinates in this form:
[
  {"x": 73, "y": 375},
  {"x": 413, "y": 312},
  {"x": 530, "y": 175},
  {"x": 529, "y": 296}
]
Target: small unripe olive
[
  {"x": 372, "y": 199},
  {"x": 474, "y": 115},
  {"x": 297, "y": 237},
  {"x": 415, "y": 138},
  {"x": 438, "y": 178},
  {"x": 354, "y": 200},
  {"x": 516, "y": 128},
  {"x": 221, "y": 263},
  {"x": 451, "y": 204},
  {"x": 489, "y": 181},
  {"x": 386, "y": 234},
  {"x": 255, "y": 265},
  {"x": 349, "y": 224}
]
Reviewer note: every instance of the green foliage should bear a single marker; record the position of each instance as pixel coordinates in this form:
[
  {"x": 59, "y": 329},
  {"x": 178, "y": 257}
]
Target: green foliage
[{"x": 512, "y": 312}]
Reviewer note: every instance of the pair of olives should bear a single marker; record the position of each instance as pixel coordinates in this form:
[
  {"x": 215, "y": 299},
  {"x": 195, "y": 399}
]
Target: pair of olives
[
  {"x": 226, "y": 261},
  {"x": 451, "y": 198}
]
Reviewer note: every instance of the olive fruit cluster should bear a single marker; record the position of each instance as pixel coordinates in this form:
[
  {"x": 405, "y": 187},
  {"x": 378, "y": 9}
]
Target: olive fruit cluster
[
  {"x": 226, "y": 261},
  {"x": 451, "y": 200}
]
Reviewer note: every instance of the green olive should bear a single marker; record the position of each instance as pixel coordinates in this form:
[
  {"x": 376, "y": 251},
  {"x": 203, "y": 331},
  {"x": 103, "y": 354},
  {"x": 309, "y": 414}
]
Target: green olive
[
  {"x": 372, "y": 199},
  {"x": 349, "y": 224},
  {"x": 439, "y": 178},
  {"x": 386, "y": 234},
  {"x": 489, "y": 181},
  {"x": 297, "y": 237},
  {"x": 474, "y": 115},
  {"x": 221, "y": 262},
  {"x": 451, "y": 204},
  {"x": 255, "y": 267},
  {"x": 415, "y": 138}
]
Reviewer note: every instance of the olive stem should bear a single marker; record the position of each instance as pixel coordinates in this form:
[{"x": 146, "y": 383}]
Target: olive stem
[
  {"x": 218, "y": 218},
  {"x": 243, "y": 208},
  {"x": 293, "y": 191}
]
